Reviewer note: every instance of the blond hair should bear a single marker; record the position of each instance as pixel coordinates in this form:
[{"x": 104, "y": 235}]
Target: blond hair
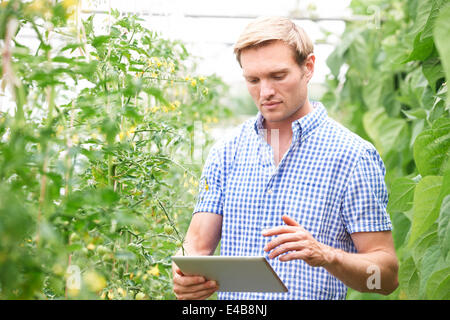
[{"x": 263, "y": 30}]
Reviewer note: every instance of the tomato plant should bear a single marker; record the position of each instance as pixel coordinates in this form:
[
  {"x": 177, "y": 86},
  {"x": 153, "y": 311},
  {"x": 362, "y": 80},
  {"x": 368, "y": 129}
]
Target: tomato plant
[{"x": 97, "y": 166}]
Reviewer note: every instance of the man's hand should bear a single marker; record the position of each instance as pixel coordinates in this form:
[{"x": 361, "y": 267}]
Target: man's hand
[
  {"x": 201, "y": 239},
  {"x": 299, "y": 244},
  {"x": 374, "y": 249},
  {"x": 191, "y": 287}
]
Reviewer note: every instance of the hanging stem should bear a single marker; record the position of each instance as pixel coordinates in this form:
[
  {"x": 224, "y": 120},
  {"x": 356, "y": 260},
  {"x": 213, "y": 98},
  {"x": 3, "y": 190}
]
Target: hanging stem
[
  {"x": 8, "y": 72},
  {"x": 172, "y": 224},
  {"x": 41, "y": 197},
  {"x": 44, "y": 146},
  {"x": 68, "y": 189}
]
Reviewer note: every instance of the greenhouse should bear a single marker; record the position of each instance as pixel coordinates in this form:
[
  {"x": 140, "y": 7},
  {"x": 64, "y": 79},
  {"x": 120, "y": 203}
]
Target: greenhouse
[{"x": 135, "y": 131}]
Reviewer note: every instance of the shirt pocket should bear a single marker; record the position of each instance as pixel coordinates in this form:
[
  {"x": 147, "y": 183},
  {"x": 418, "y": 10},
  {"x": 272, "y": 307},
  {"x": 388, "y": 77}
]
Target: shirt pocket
[{"x": 307, "y": 205}]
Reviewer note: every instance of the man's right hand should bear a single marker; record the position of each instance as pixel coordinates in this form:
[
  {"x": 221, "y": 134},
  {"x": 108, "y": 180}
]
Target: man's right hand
[
  {"x": 201, "y": 239},
  {"x": 192, "y": 287}
]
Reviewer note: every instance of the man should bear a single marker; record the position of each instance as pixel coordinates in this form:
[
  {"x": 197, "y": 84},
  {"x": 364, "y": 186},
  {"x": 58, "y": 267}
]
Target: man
[{"x": 292, "y": 185}]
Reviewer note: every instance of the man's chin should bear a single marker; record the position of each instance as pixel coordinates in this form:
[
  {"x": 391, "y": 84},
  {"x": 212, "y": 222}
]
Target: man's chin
[{"x": 273, "y": 116}]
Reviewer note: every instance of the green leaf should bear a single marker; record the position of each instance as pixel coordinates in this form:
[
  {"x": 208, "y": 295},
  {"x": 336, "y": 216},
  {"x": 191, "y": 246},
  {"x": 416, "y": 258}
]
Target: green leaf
[
  {"x": 423, "y": 244},
  {"x": 92, "y": 155},
  {"x": 110, "y": 128},
  {"x": 444, "y": 226},
  {"x": 360, "y": 54},
  {"x": 109, "y": 196},
  {"x": 422, "y": 15},
  {"x": 432, "y": 69},
  {"x": 423, "y": 24},
  {"x": 74, "y": 247},
  {"x": 425, "y": 196},
  {"x": 438, "y": 286},
  {"x": 430, "y": 260},
  {"x": 401, "y": 226},
  {"x": 422, "y": 48},
  {"x": 100, "y": 40},
  {"x": 416, "y": 129},
  {"x": 72, "y": 47},
  {"x": 336, "y": 58},
  {"x": 434, "y": 12},
  {"x": 414, "y": 114},
  {"x": 432, "y": 149},
  {"x": 132, "y": 113},
  {"x": 402, "y": 195},
  {"x": 372, "y": 92},
  {"x": 158, "y": 94},
  {"x": 63, "y": 59},
  {"x": 383, "y": 130},
  {"x": 334, "y": 62},
  {"x": 440, "y": 32},
  {"x": 412, "y": 88},
  {"x": 409, "y": 278}
]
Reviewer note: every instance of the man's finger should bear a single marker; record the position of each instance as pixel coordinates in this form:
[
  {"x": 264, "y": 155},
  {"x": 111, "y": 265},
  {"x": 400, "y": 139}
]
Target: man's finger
[
  {"x": 197, "y": 295},
  {"x": 177, "y": 270},
  {"x": 188, "y": 280},
  {"x": 295, "y": 255},
  {"x": 286, "y": 247},
  {"x": 208, "y": 285},
  {"x": 289, "y": 221},
  {"x": 278, "y": 230},
  {"x": 288, "y": 237}
]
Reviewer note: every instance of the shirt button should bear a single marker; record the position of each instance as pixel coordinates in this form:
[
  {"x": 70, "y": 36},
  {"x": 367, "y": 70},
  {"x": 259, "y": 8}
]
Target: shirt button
[{"x": 269, "y": 191}]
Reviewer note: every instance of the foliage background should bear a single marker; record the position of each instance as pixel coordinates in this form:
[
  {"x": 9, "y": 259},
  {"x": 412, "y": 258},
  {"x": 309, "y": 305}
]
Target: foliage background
[
  {"x": 97, "y": 162},
  {"x": 97, "y": 166},
  {"x": 389, "y": 84}
]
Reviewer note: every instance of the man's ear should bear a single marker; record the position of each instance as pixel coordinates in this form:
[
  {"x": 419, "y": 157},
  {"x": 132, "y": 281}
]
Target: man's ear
[{"x": 308, "y": 66}]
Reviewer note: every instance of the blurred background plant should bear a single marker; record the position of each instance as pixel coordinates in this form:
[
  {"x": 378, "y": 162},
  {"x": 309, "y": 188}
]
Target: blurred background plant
[
  {"x": 389, "y": 84},
  {"x": 105, "y": 124},
  {"x": 97, "y": 156}
]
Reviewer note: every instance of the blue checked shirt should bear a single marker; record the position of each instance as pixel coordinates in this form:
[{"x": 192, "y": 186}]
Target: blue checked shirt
[{"x": 330, "y": 181}]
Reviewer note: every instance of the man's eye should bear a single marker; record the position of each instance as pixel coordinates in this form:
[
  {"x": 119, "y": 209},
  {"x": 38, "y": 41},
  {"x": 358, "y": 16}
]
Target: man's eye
[
  {"x": 253, "y": 81},
  {"x": 278, "y": 77}
]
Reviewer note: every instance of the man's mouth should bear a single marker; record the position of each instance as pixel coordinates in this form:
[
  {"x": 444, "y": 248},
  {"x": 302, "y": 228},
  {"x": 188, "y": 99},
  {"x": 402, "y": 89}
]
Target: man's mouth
[{"x": 271, "y": 104}]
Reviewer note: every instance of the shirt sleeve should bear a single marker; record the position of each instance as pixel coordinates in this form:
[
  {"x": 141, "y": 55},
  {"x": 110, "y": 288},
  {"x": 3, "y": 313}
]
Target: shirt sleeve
[
  {"x": 366, "y": 196},
  {"x": 210, "y": 196}
]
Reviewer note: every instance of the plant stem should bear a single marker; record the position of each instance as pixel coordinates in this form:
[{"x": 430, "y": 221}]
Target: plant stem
[
  {"x": 41, "y": 197},
  {"x": 110, "y": 171},
  {"x": 68, "y": 187},
  {"x": 172, "y": 224}
]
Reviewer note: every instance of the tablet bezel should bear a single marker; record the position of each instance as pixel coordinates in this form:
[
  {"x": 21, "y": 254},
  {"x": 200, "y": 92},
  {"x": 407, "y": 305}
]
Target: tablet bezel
[{"x": 215, "y": 268}]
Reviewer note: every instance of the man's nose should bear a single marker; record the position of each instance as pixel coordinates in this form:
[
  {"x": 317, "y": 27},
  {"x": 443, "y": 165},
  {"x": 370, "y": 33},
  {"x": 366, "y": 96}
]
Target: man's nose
[{"x": 266, "y": 90}]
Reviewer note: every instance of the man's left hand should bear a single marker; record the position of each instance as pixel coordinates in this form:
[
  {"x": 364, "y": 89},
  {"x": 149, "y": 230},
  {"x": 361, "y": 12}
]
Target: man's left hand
[{"x": 298, "y": 243}]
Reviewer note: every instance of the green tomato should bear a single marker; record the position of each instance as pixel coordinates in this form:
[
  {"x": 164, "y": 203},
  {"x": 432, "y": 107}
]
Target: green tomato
[
  {"x": 107, "y": 257},
  {"x": 140, "y": 296},
  {"x": 74, "y": 237},
  {"x": 102, "y": 250},
  {"x": 168, "y": 229}
]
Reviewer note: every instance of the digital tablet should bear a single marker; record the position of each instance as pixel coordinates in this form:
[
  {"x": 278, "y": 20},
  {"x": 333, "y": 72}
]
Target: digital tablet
[{"x": 243, "y": 274}]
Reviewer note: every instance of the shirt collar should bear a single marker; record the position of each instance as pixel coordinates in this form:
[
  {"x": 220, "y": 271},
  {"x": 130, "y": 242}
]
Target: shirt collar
[{"x": 300, "y": 127}]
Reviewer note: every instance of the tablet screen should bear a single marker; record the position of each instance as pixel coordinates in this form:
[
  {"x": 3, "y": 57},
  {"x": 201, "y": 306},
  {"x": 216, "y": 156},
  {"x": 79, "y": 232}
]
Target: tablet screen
[{"x": 233, "y": 273}]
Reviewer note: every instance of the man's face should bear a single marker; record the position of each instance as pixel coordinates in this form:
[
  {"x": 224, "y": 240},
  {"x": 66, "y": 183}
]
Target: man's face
[{"x": 277, "y": 84}]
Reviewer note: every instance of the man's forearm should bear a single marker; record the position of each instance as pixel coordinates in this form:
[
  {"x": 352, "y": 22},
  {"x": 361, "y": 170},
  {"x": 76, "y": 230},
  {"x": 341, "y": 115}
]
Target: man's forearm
[
  {"x": 203, "y": 234},
  {"x": 366, "y": 272},
  {"x": 191, "y": 249}
]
